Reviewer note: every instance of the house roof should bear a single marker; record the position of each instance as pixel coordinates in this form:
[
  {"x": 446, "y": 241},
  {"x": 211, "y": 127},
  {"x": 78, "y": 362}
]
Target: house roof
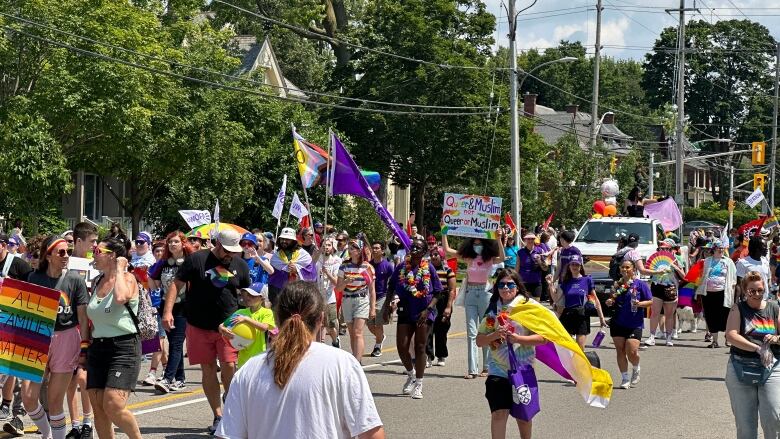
[
  {"x": 553, "y": 125},
  {"x": 263, "y": 56},
  {"x": 666, "y": 147}
]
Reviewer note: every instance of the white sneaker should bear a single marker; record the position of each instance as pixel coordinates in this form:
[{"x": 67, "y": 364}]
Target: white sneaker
[
  {"x": 408, "y": 385},
  {"x": 650, "y": 341},
  {"x": 634, "y": 378},
  {"x": 669, "y": 341},
  {"x": 441, "y": 362},
  {"x": 428, "y": 364},
  {"x": 676, "y": 334},
  {"x": 625, "y": 383},
  {"x": 150, "y": 379},
  {"x": 417, "y": 393}
]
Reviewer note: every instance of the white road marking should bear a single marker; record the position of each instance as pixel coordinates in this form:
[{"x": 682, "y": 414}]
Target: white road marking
[{"x": 170, "y": 406}]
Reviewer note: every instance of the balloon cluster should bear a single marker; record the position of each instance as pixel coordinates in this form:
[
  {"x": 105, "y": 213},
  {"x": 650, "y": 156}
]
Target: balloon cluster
[{"x": 607, "y": 206}]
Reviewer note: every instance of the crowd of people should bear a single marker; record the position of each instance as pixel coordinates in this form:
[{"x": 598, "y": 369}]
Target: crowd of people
[{"x": 253, "y": 309}]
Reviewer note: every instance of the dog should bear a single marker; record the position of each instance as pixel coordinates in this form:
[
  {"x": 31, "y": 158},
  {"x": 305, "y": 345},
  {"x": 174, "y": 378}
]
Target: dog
[{"x": 686, "y": 314}]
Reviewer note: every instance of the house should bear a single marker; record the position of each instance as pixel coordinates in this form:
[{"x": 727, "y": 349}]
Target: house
[
  {"x": 553, "y": 125},
  {"x": 697, "y": 181}
]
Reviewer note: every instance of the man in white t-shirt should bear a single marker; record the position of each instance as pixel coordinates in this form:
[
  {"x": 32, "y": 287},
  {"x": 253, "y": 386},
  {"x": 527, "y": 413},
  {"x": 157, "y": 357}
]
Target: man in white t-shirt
[
  {"x": 327, "y": 397},
  {"x": 755, "y": 261}
]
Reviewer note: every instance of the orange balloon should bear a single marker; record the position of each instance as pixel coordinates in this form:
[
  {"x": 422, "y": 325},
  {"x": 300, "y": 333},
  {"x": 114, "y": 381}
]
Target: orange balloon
[{"x": 610, "y": 210}]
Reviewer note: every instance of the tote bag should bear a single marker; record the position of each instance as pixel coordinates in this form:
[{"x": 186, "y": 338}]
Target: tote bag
[{"x": 525, "y": 390}]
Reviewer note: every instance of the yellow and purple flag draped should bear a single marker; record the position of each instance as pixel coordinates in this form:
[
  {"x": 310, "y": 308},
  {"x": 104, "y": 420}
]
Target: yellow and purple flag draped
[
  {"x": 27, "y": 314},
  {"x": 347, "y": 180},
  {"x": 562, "y": 354}
]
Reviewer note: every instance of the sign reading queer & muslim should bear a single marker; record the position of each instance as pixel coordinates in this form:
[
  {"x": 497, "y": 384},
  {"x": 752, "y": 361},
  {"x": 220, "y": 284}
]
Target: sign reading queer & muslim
[{"x": 472, "y": 216}]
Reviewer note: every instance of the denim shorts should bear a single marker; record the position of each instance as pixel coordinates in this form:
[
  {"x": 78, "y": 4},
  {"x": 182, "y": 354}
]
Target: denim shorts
[{"x": 114, "y": 362}]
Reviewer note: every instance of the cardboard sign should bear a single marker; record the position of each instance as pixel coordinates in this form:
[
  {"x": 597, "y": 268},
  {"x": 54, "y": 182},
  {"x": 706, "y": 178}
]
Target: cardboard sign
[{"x": 472, "y": 216}]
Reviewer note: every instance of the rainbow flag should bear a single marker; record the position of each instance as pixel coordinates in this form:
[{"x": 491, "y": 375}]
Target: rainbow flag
[
  {"x": 771, "y": 222},
  {"x": 686, "y": 295},
  {"x": 27, "y": 315},
  {"x": 312, "y": 161},
  {"x": 220, "y": 276},
  {"x": 562, "y": 354}
]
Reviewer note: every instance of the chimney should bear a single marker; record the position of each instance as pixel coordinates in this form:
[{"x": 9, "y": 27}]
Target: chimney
[
  {"x": 529, "y": 105},
  {"x": 572, "y": 108},
  {"x": 609, "y": 119}
]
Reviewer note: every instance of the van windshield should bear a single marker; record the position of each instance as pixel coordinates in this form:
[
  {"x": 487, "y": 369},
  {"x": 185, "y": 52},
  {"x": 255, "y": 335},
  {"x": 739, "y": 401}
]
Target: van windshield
[{"x": 597, "y": 231}]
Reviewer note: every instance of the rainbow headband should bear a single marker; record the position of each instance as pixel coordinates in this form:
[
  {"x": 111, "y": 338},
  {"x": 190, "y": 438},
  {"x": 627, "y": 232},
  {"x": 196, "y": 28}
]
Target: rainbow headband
[{"x": 55, "y": 244}]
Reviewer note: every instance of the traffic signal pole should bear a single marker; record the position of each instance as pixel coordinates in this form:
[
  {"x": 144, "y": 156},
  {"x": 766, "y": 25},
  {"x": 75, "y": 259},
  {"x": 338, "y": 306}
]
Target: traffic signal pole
[
  {"x": 731, "y": 198},
  {"x": 774, "y": 132}
]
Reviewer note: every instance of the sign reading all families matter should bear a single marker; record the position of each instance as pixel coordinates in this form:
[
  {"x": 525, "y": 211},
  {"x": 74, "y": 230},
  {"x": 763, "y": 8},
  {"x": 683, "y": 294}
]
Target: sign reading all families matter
[
  {"x": 27, "y": 315},
  {"x": 473, "y": 216}
]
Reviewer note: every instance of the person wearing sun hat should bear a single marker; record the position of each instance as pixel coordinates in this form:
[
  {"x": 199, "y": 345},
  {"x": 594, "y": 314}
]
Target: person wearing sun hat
[
  {"x": 257, "y": 315},
  {"x": 663, "y": 287},
  {"x": 213, "y": 278},
  {"x": 719, "y": 277},
  {"x": 290, "y": 262}
]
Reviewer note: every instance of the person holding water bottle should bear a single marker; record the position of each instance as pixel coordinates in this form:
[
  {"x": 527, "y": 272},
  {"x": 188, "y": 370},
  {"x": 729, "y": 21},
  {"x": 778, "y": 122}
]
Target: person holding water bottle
[
  {"x": 573, "y": 293},
  {"x": 629, "y": 295}
]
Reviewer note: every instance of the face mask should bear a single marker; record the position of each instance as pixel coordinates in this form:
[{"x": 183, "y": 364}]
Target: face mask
[{"x": 478, "y": 249}]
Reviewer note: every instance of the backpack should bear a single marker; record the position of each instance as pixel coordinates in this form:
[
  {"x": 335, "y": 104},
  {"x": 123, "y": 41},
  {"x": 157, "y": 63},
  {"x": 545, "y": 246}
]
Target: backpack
[
  {"x": 614, "y": 263},
  {"x": 146, "y": 320}
]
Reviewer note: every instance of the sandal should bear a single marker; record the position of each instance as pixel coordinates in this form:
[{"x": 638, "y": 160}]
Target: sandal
[
  {"x": 713, "y": 345},
  {"x": 484, "y": 373},
  {"x": 469, "y": 376}
]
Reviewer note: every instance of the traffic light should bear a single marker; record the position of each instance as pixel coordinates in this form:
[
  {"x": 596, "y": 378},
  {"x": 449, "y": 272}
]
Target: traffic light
[
  {"x": 613, "y": 165},
  {"x": 759, "y": 153},
  {"x": 759, "y": 181}
]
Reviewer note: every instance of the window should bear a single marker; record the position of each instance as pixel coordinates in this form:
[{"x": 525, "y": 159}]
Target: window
[
  {"x": 93, "y": 196},
  {"x": 609, "y": 232}
]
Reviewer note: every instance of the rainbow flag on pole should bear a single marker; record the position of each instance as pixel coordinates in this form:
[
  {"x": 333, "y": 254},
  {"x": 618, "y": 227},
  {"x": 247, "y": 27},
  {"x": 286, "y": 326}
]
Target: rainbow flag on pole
[
  {"x": 562, "y": 354},
  {"x": 27, "y": 315},
  {"x": 312, "y": 161}
]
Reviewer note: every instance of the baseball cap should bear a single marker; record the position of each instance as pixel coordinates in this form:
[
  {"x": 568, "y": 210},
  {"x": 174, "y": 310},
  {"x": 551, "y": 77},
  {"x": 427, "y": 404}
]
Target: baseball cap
[
  {"x": 287, "y": 233},
  {"x": 431, "y": 239},
  {"x": 248, "y": 236},
  {"x": 575, "y": 259},
  {"x": 229, "y": 239},
  {"x": 269, "y": 236},
  {"x": 3, "y": 238},
  {"x": 257, "y": 289},
  {"x": 144, "y": 236},
  {"x": 13, "y": 241},
  {"x": 666, "y": 243},
  {"x": 317, "y": 224}
]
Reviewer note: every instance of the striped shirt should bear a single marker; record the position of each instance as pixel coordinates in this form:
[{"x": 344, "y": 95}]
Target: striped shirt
[{"x": 357, "y": 276}]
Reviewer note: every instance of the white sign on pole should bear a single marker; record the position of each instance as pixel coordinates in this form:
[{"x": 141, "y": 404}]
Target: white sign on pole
[
  {"x": 195, "y": 218},
  {"x": 279, "y": 205},
  {"x": 756, "y": 197},
  {"x": 297, "y": 209}
]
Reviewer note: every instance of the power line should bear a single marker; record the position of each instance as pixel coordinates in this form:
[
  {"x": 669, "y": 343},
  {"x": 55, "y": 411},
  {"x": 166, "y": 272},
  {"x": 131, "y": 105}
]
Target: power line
[
  {"x": 232, "y": 77},
  {"x": 230, "y": 87}
]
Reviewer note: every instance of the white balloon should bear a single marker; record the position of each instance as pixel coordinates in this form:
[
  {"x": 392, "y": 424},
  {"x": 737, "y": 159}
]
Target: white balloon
[
  {"x": 610, "y": 188},
  {"x": 610, "y": 201}
]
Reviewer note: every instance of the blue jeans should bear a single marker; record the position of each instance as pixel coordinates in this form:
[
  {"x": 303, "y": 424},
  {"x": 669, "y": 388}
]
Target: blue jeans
[
  {"x": 175, "y": 367},
  {"x": 476, "y": 301},
  {"x": 748, "y": 401}
]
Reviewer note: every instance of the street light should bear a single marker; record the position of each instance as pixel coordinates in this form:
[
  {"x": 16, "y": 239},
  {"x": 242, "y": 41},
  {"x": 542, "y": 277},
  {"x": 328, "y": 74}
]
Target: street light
[
  {"x": 517, "y": 205},
  {"x": 601, "y": 121}
]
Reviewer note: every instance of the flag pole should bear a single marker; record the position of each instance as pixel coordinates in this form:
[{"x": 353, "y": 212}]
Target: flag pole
[{"x": 328, "y": 178}]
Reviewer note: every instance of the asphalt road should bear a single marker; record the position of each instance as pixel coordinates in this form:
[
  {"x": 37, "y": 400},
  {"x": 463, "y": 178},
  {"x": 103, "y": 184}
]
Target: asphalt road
[{"x": 681, "y": 395}]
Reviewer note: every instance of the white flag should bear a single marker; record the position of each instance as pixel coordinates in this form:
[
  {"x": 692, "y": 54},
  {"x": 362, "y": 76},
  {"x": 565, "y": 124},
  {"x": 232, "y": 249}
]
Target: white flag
[
  {"x": 195, "y": 218},
  {"x": 756, "y": 197},
  {"x": 216, "y": 221},
  {"x": 297, "y": 209},
  {"x": 279, "y": 206}
]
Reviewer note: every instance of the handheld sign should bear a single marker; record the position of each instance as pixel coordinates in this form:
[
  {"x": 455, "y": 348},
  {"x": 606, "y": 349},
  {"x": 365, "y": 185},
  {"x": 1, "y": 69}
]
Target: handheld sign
[{"x": 471, "y": 216}]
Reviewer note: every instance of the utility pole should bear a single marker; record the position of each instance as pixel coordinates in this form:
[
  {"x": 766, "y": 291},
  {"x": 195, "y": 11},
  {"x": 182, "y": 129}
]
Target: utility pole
[
  {"x": 774, "y": 133},
  {"x": 731, "y": 197},
  {"x": 594, "y": 111},
  {"x": 679, "y": 150},
  {"x": 513, "y": 127},
  {"x": 651, "y": 176}
]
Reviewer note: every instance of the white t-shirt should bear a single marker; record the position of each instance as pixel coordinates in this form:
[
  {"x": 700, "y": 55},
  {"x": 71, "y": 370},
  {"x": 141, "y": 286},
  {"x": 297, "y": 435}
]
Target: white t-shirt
[
  {"x": 748, "y": 264},
  {"x": 328, "y": 288},
  {"x": 327, "y": 397}
]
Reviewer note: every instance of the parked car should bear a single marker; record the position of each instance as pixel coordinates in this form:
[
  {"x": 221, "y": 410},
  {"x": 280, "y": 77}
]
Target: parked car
[{"x": 690, "y": 226}]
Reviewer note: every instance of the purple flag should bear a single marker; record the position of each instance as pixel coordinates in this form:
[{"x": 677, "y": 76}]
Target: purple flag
[
  {"x": 347, "y": 180},
  {"x": 666, "y": 212}
]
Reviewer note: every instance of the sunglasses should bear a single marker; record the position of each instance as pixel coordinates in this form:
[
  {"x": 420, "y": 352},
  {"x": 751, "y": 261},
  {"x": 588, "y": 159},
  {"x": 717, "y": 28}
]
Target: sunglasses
[
  {"x": 62, "y": 252},
  {"x": 140, "y": 242},
  {"x": 508, "y": 285},
  {"x": 755, "y": 291},
  {"x": 35, "y": 256},
  {"x": 341, "y": 240},
  {"x": 101, "y": 250}
]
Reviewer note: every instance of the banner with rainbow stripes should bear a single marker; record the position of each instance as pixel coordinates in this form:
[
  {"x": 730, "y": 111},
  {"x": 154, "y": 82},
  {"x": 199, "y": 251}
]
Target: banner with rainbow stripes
[{"x": 27, "y": 315}]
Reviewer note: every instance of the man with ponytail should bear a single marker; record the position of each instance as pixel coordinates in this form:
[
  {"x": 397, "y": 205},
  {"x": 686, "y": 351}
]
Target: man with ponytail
[{"x": 271, "y": 390}]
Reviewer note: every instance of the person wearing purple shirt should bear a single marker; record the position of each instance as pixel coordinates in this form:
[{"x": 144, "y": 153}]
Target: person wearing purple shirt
[
  {"x": 567, "y": 251},
  {"x": 417, "y": 294},
  {"x": 573, "y": 293},
  {"x": 528, "y": 266},
  {"x": 629, "y": 297},
  {"x": 383, "y": 269}
]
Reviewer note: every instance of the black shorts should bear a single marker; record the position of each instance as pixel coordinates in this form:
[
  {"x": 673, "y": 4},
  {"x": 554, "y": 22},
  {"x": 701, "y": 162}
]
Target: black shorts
[
  {"x": 627, "y": 333},
  {"x": 659, "y": 291},
  {"x": 498, "y": 392},
  {"x": 576, "y": 323},
  {"x": 534, "y": 289},
  {"x": 114, "y": 362}
]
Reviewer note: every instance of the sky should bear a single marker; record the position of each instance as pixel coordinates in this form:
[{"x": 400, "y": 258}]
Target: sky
[{"x": 629, "y": 28}]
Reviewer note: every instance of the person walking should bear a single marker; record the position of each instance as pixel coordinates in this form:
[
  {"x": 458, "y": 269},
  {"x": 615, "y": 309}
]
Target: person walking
[
  {"x": 328, "y": 266},
  {"x": 630, "y": 294},
  {"x": 356, "y": 279},
  {"x": 213, "y": 278},
  {"x": 719, "y": 277},
  {"x": 114, "y": 355},
  {"x": 298, "y": 376},
  {"x": 500, "y": 334},
  {"x": 479, "y": 255},
  {"x": 752, "y": 329},
  {"x": 417, "y": 288},
  {"x": 574, "y": 292},
  {"x": 383, "y": 269},
  {"x": 437, "y": 339},
  {"x": 664, "y": 289}
]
